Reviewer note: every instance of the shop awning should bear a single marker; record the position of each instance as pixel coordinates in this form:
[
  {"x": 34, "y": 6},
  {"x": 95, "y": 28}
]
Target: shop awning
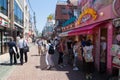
[
  {"x": 64, "y": 34},
  {"x": 83, "y": 30}
]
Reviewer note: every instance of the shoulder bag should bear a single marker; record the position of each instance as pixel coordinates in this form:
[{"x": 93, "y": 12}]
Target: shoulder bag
[{"x": 25, "y": 47}]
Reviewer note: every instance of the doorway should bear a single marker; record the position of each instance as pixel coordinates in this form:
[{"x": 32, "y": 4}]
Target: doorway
[{"x": 103, "y": 50}]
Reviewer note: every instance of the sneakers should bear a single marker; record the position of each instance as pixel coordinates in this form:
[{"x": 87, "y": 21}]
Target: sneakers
[
  {"x": 75, "y": 69},
  {"x": 60, "y": 66},
  {"x": 48, "y": 67},
  {"x": 88, "y": 77}
]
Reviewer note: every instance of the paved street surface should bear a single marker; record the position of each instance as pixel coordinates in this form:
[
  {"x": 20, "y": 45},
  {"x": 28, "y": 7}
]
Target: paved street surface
[{"x": 35, "y": 69}]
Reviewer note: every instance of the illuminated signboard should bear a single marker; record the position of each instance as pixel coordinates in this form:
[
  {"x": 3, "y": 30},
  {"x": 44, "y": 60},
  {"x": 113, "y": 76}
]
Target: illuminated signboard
[{"x": 86, "y": 15}]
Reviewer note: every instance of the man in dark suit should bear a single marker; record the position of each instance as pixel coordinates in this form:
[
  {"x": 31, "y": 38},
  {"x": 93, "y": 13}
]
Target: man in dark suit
[{"x": 12, "y": 44}]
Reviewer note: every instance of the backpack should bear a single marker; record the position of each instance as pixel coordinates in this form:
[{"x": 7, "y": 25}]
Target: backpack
[{"x": 51, "y": 49}]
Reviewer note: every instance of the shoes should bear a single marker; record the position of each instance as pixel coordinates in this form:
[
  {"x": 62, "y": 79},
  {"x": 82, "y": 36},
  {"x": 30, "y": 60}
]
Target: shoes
[
  {"x": 48, "y": 67},
  {"x": 75, "y": 69},
  {"x": 11, "y": 63},
  {"x": 15, "y": 62},
  {"x": 88, "y": 77},
  {"x": 60, "y": 66},
  {"x": 64, "y": 65},
  {"x": 21, "y": 63},
  {"x": 52, "y": 66}
]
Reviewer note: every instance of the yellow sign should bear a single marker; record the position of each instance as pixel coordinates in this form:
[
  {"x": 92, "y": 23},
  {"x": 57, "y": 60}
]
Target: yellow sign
[{"x": 88, "y": 11}]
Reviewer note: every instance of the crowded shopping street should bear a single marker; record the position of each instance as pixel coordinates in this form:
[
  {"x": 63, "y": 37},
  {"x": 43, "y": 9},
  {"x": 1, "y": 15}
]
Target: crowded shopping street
[
  {"x": 35, "y": 69},
  {"x": 59, "y": 39}
]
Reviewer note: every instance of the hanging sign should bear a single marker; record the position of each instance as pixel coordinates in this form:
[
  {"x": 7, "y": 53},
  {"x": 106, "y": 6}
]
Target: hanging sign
[
  {"x": 3, "y": 22},
  {"x": 86, "y": 15}
]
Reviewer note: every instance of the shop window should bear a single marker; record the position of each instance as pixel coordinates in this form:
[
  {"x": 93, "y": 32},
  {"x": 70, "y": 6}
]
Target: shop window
[
  {"x": 18, "y": 14},
  {"x": 64, "y": 11},
  {"x": 4, "y": 7}
]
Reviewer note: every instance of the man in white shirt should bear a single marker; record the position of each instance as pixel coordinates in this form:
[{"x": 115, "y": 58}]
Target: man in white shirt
[{"x": 21, "y": 44}]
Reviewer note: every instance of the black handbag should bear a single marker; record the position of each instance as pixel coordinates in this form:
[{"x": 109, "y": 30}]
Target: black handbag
[{"x": 25, "y": 48}]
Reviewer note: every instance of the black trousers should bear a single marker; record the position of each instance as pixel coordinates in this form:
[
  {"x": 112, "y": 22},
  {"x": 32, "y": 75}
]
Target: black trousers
[
  {"x": 21, "y": 56},
  {"x": 60, "y": 59},
  {"x": 12, "y": 54},
  {"x": 89, "y": 67}
]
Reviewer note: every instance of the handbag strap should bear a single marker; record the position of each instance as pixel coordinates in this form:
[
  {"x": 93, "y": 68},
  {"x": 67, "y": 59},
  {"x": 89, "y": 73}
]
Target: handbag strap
[{"x": 24, "y": 43}]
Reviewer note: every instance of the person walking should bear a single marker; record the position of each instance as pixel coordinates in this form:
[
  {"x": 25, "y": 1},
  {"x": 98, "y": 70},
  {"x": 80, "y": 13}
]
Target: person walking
[
  {"x": 48, "y": 57},
  {"x": 60, "y": 51},
  {"x": 40, "y": 44},
  {"x": 75, "y": 52},
  {"x": 12, "y": 44},
  {"x": 21, "y": 44}
]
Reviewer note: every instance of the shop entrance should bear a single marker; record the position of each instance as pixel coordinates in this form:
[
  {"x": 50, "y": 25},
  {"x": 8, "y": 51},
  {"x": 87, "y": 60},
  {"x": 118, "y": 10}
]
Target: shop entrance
[{"x": 103, "y": 50}]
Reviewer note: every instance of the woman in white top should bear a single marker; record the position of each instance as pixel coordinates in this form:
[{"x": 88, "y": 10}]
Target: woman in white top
[
  {"x": 48, "y": 57},
  {"x": 75, "y": 49},
  {"x": 88, "y": 58}
]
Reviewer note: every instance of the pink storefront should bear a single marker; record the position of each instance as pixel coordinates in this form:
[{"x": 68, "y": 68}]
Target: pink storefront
[
  {"x": 102, "y": 26},
  {"x": 100, "y": 23}
]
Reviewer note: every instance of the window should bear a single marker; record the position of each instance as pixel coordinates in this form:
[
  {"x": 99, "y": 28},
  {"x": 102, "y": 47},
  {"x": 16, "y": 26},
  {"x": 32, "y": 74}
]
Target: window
[
  {"x": 4, "y": 7},
  {"x": 64, "y": 11},
  {"x": 18, "y": 14}
]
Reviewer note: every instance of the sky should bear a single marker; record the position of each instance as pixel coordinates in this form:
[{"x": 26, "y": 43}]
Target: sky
[{"x": 42, "y": 9}]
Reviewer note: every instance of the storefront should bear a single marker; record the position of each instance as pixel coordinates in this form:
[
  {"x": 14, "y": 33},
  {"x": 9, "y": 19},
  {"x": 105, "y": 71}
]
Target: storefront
[
  {"x": 115, "y": 51},
  {"x": 4, "y": 35},
  {"x": 99, "y": 24}
]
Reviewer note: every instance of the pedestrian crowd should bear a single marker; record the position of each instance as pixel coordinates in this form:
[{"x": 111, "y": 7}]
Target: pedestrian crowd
[
  {"x": 73, "y": 50},
  {"x": 18, "y": 50}
]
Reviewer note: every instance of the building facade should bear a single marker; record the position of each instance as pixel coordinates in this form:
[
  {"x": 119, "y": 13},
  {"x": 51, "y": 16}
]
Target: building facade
[
  {"x": 11, "y": 21},
  {"x": 4, "y": 24},
  {"x": 61, "y": 15},
  {"x": 97, "y": 19},
  {"x": 48, "y": 30}
]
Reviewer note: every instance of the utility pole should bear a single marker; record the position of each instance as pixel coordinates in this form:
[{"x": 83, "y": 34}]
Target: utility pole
[
  {"x": 34, "y": 20},
  {"x": 11, "y": 16}
]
